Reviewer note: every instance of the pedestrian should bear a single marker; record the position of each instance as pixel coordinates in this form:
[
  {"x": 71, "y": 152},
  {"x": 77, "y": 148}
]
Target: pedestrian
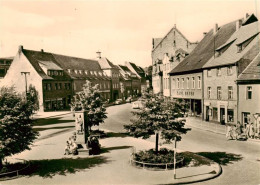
[
  {"x": 247, "y": 130},
  {"x": 251, "y": 130},
  {"x": 67, "y": 148},
  {"x": 228, "y": 134}
]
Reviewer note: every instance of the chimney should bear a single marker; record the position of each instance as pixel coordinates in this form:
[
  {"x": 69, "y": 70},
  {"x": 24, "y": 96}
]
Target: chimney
[
  {"x": 20, "y": 48},
  {"x": 42, "y": 50},
  {"x": 215, "y": 30},
  {"x": 98, "y": 54},
  {"x": 204, "y": 34},
  {"x": 238, "y": 24},
  {"x": 247, "y": 15}
]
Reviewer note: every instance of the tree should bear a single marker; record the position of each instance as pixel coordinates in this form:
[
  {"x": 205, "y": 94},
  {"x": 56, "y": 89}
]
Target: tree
[
  {"x": 16, "y": 133},
  {"x": 90, "y": 101},
  {"x": 158, "y": 115},
  {"x": 33, "y": 97}
]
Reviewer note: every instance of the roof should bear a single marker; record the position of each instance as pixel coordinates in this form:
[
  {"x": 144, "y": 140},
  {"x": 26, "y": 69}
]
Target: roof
[
  {"x": 6, "y": 58},
  {"x": 138, "y": 70},
  {"x": 231, "y": 56},
  {"x": 105, "y": 63},
  {"x": 205, "y": 49},
  {"x": 173, "y": 28},
  {"x": 62, "y": 62},
  {"x": 156, "y": 41},
  {"x": 252, "y": 71},
  {"x": 49, "y": 65}
]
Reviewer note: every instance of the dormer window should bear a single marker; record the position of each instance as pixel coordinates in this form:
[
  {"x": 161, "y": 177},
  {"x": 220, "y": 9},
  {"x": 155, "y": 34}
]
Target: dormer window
[
  {"x": 69, "y": 70},
  {"x": 76, "y": 71},
  {"x": 239, "y": 48},
  {"x": 80, "y": 71},
  {"x": 91, "y": 72},
  {"x": 86, "y": 72}
]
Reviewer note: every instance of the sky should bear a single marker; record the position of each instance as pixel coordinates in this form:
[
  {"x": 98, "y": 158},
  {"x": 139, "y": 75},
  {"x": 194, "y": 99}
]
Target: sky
[{"x": 121, "y": 30}]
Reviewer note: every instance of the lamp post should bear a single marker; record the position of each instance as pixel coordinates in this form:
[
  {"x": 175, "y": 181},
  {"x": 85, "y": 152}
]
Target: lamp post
[
  {"x": 25, "y": 77},
  {"x": 174, "y": 162}
]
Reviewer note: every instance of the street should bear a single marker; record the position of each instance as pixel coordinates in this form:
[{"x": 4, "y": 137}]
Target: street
[{"x": 244, "y": 170}]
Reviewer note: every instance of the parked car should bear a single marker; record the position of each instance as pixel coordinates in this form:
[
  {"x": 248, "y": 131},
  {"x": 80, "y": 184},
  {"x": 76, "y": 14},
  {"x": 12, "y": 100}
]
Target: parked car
[
  {"x": 129, "y": 100},
  {"x": 118, "y": 101},
  {"x": 135, "y": 105}
]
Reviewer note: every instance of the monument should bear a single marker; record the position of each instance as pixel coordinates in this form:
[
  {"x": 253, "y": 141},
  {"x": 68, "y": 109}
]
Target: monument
[{"x": 82, "y": 132}]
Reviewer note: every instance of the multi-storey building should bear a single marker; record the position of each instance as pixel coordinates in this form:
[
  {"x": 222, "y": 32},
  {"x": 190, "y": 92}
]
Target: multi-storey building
[
  {"x": 4, "y": 65},
  {"x": 167, "y": 52},
  {"x": 221, "y": 72},
  {"x": 187, "y": 76},
  {"x": 56, "y": 77},
  {"x": 249, "y": 93}
]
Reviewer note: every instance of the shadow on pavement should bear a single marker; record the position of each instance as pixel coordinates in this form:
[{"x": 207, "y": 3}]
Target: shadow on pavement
[
  {"x": 106, "y": 150},
  {"x": 52, "y": 167},
  {"x": 50, "y": 121},
  {"x": 43, "y": 129},
  {"x": 221, "y": 158}
]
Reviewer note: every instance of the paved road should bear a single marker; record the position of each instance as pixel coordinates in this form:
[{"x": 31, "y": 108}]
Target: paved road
[{"x": 244, "y": 171}]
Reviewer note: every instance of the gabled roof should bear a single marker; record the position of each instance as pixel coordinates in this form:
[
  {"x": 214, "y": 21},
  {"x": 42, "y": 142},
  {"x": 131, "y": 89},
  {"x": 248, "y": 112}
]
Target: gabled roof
[
  {"x": 252, "y": 71},
  {"x": 138, "y": 70},
  {"x": 205, "y": 49},
  {"x": 105, "y": 63},
  {"x": 62, "y": 62},
  {"x": 162, "y": 39},
  {"x": 231, "y": 55}
]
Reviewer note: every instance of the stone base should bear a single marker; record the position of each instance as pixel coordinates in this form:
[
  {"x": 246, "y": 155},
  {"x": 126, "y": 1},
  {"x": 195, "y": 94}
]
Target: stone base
[{"x": 83, "y": 149}]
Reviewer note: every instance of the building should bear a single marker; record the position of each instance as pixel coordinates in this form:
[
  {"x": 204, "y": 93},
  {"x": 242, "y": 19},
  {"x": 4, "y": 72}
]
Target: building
[
  {"x": 129, "y": 83},
  {"x": 4, "y": 65},
  {"x": 167, "y": 52},
  {"x": 111, "y": 71},
  {"x": 249, "y": 93},
  {"x": 56, "y": 77},
  {"x": 187, "y": 77},
  {"x": 221, "y": 72}
]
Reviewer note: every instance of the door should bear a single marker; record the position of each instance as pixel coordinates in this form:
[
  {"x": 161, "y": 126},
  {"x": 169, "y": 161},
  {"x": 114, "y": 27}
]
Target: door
[
  {"x": 207, "y": 113},
  {"x": 222, "y": 116},
  {"x": 245, "y": 118}
]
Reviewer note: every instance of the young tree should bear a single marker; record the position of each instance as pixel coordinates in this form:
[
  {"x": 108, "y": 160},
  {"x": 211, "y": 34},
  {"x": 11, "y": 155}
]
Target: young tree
[
  {"x": 158, "y": 115},
  {"x": 33, "y": 97},
  {"x": 16, "y": 133},
  {"x": 90, "y": 100}
]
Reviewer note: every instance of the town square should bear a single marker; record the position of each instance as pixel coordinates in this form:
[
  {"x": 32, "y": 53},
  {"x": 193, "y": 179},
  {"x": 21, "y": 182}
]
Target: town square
[{"x": 129, "y": 92}]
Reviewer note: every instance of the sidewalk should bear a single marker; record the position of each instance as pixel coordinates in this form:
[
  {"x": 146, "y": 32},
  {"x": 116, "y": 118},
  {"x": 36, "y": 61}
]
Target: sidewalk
[
  {"x": 117, "y": 169},
  {"x": 39, "y": 115}
]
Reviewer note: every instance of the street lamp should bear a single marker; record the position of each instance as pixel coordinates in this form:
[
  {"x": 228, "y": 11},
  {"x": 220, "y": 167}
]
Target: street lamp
[{"x": 25, "y": 76}]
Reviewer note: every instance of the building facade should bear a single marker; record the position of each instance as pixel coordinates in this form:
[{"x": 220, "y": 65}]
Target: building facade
[
  {"x": 221, "y": 72},
  {"x": 4, "y": 65},
  {"x": 169, "y": 45}
]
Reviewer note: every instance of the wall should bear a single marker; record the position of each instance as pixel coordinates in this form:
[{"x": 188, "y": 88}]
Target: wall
[
  {"x": 186, "y": 93},
  {"x": 14, "y": 77},
  {"x": 223, "y": 81},
  {"x": 251, "y": 106}
]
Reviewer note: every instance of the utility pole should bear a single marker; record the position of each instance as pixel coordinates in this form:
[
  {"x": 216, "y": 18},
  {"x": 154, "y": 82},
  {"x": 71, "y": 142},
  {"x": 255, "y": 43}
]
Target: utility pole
[{"x": 25, "y": 76}]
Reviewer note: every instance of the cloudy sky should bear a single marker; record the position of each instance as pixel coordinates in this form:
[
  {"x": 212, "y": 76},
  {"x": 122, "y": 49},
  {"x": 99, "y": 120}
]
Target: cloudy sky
[{"x": 121, "y": 30}]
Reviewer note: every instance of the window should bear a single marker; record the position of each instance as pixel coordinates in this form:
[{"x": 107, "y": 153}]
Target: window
[
  {"x": 69, "y": 70},
  {"x": 56, "y": 86},
  {"x": 199, "y": 82},
  {"x": 209, "y": 72},
  {"x": 49, "y": 87},
  {"x": 59, "y": 86},
  {"x": 49, "y": 73},
  {"x": 193, "y": 83},
  {"x": 230, "y": 115},
  {"x": 178, "y": 83},
  {"x": 249, "y": 92},
  {"x": 219, "y": 93},
  {"x": 219, "y": 71},
  {"x": 209, "y": 92},
  {"x": 239, "y": 48},
  {"x": 80, "y": 71},
  {"x": 230, "y": 92},
  {"x": 182, "y": 83},
  {"x": 174, "y": 43},
  {"x": 188, "y": 81},
  {"x": 76, "y": 71},
  {"x": 45, "y": 86},
  {"x": 229, "y": 70}
]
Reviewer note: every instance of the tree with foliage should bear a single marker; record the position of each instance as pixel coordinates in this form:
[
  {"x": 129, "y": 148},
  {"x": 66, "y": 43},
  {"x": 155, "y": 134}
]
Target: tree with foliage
[
  {"x": 16, "y": 133},
  {"x": 158, "y": 115},
  {"x": 90, "y": 100},
  {"x": 33, "y": 97}
]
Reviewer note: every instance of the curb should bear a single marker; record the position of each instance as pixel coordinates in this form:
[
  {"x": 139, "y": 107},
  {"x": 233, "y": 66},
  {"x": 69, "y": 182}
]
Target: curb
[
  {"x": 206, "y": 129},
  {"x": 53, "y": 116},
  {"x": 205, "y": 179}
]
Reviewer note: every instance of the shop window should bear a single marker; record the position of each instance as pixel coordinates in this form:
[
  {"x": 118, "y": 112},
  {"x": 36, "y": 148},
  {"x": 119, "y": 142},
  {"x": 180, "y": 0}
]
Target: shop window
[
  {"x": 230, "y": 113},
  {"x": 249, "y": 92}
]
